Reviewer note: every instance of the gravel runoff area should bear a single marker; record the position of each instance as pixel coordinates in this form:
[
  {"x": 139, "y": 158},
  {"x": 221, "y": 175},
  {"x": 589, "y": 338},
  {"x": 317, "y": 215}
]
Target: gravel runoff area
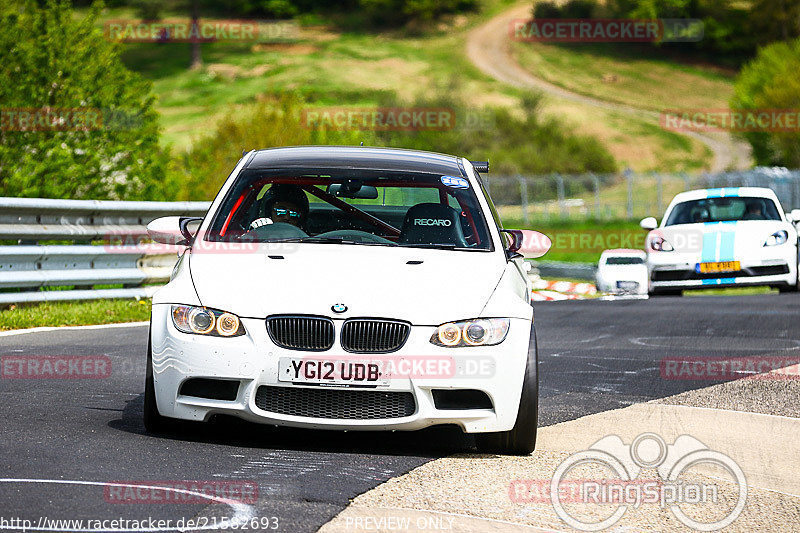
[
  {"x": 476, "y": 493},
  {"x": 770, "y": 394}
]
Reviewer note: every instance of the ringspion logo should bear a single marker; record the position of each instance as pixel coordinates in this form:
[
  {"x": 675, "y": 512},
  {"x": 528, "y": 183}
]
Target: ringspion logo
[{"x": 592, "y": 489}]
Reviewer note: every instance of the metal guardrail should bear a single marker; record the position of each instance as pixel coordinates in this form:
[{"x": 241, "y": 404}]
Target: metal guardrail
[
  {"x": 560, "y": 270},
  {"x": 28, "y": 269},
  {"x": 627, "y": 195}
]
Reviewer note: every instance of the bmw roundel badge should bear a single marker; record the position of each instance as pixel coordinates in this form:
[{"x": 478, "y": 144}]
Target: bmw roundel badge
[{"x": 338, "y": 308}]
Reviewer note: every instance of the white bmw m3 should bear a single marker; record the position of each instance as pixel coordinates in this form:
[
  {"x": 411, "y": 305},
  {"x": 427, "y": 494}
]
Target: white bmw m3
[
  {"x": 726, "y": 237},
  {"x": 348, "y": 288}
]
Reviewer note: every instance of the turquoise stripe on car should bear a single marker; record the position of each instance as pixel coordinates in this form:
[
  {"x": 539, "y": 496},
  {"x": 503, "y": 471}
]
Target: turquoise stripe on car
[
  {"x": 718, "y": 281},
  {"x": 723, "y": 192},
  {"x": 709, "y": 251},
  {"x": 727, "y": 239}
]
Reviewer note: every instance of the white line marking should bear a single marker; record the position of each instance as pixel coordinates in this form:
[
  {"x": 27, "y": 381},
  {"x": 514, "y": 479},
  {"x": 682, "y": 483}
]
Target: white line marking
[
  {"x": 242, "y": 512},
  {"x": 62, "y": 328}
]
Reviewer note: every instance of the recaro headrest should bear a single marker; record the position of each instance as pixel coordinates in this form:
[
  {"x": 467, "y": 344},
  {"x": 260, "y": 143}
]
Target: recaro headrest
[{"x": 432, "y": 224}]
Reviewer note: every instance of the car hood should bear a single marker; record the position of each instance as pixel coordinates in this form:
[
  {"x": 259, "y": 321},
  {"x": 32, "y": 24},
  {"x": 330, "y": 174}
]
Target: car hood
[
  {"x": 425, "y": 287},
  {"x": 723, "y": 241}
]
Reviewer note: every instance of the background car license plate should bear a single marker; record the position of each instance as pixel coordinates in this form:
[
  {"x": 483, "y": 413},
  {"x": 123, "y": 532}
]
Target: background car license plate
[
  {"x": 330, "y": 371},
  {"x": 627, "y": 285},
  {"x": 721, "y": 266}
]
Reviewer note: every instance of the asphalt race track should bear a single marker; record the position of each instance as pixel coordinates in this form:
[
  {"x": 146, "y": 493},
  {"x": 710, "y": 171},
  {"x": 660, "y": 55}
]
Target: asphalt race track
[{"x": 594, "y": 356}]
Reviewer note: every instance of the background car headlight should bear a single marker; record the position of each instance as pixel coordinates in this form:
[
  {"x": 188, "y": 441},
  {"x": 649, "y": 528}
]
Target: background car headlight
[
  {"x": 476, "y": 332},
  {"x": 779, "y": 237},
  {"x": 660, "y": 244},
  {"x": 204, "y": 321}
]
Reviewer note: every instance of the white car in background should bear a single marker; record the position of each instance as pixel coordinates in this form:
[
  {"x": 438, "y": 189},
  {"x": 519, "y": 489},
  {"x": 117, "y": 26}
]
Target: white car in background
[
  {"x": 622, "y": 271},
  {"x": 728, "y": 237},
  {"x": 349, "y": 288}
]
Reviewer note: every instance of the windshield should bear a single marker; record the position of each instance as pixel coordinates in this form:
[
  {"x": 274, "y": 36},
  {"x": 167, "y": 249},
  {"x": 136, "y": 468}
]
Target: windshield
[
  {"x": 352, "y": 207},
  {"x": 723, "y": 210},
  {"x": 624, "y": 261}
]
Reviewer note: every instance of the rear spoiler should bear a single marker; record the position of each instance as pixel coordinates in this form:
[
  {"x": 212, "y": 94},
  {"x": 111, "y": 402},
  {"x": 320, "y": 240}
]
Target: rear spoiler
[{"x": 481, "y": 166}]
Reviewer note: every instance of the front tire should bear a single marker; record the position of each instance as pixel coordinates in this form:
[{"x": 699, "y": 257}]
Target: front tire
[
  {"x": 154, "y": 422},
  {"x": 521, "y": 439}
]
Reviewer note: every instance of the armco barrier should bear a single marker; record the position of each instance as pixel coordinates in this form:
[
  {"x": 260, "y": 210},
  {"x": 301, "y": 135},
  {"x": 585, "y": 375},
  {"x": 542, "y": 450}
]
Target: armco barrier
[
  {"x": 28, "y": 269},
  {"x": 561, "y": 270}
]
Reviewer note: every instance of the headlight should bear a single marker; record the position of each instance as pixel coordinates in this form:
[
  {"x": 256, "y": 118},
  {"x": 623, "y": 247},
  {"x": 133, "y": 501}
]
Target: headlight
[
  {"x": 660, "y": 244},
  {"x": 204, "y": 321},
  {"x": 779, "y": 237},
  {"x": 477, "y": 332}
]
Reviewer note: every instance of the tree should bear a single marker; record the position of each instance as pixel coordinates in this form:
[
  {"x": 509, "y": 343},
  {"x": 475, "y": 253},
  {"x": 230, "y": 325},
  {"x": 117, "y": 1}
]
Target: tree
[
  {"x": 74, "y": 123},
  {"x": 775, "y": 20},
  {"x": 770, "y": 82}
]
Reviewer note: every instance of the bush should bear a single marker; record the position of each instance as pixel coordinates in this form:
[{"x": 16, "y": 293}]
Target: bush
[
  {"x": 50, "y": 61},
  {"x": 275, "y": 121},
  {"x": 770, "y": 82},
  {"x": 515, "y": 145}
]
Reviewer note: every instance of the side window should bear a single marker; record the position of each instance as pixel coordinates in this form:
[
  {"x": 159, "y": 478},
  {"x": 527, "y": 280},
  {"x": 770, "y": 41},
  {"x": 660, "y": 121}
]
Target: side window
[
  {"x": 495, "y": 216},
  {"x": 492, "y": 208}
]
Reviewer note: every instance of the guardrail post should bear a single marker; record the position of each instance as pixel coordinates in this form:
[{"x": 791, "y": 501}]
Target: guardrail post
[
  {"x": 629, "y": 179},
  {"x": 659, "y": 194},
  {"x": 562, "y": 203},
  {"x": 596, "y": 184},
  {"x": 523, "y": 192}
]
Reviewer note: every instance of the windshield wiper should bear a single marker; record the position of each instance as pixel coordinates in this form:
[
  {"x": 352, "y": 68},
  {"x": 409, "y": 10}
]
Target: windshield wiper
[
  {"x": 439, "y": 246},
  {"x": 340, "y": 240}
]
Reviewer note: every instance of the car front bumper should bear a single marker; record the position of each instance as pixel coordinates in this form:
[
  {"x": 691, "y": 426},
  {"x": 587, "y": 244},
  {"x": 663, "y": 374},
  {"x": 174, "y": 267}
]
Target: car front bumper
[
  {"x": 671, "y": 270},
  {"x": 252, "y": 361}
]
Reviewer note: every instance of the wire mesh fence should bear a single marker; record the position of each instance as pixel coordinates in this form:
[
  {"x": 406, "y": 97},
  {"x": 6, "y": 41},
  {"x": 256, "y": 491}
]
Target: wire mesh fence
[{"x": 626, "y": 195}]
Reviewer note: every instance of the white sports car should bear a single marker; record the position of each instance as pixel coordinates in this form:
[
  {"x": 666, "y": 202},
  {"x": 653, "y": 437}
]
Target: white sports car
[
  {"x": 721, "y": 238},
  {"x": 622, "y": 271},
  {"x": 349, "y": 288}
]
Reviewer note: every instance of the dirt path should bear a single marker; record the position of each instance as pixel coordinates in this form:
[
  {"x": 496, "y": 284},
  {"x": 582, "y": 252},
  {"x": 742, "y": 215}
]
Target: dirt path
[{"x": 489, "y": 48}]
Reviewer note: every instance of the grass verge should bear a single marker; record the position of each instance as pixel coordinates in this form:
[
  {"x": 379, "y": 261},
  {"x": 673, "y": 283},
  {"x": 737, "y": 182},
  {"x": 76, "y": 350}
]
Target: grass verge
[
  {"x": 355, "y": 68},
  {"x": 74, "y": 313}
]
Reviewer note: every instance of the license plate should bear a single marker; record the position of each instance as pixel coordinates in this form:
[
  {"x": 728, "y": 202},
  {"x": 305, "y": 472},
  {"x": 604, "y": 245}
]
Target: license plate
[
  {"x": 721, "y": 266},
  {"x": 627, "y": 285},
  {"x": 330, "y": 371}
]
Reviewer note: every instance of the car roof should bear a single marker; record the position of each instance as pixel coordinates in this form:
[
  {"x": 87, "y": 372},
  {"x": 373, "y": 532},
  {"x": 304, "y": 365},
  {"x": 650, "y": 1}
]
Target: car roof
[
  {"x": 726, "y": 192},
  {"x": 355, "y": 157}
]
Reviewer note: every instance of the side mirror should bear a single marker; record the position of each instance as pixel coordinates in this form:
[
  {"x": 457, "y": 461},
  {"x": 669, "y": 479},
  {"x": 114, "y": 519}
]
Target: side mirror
[
  {"x": 174, "y": 230},
  {"x": 527, "y": 243},
  {"x": 649, "y": 223},
  {"x": 794, "y": 215}
]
